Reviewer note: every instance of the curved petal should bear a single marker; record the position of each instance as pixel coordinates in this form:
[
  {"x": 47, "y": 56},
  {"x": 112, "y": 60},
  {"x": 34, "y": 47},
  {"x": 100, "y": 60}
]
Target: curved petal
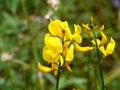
[
  {"x": 87, "y": 29},
  {"x": 76, "y": 36},
  {"x": 110, "y": 46},
  {"x": 82, "y": 49},
  {"x": 66, "y": 44},
  {"x": 61, "y": 60},
  {"x": 67, "y": 33},
  {"x": 55, "y": 67},
  {"x": 102, "y": 28},
  {"x": 44, "y": 68},
  {"x": 46, "y": 38},
  {"x": 70, "y": 53},
  {"x": 78, "y": 29},
  {"x": 54, "y": 27},
  {"x": 104, "y": 39},
  {"x": 98, "y": 42},
  {"x": 49, "y": 55},
  {"x": 54, "y": 44},
  {"x": 102, "y": 49}
]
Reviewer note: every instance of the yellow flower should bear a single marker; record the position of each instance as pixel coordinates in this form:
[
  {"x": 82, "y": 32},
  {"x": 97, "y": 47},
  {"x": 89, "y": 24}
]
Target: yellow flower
[
  {"x": 58, "y": 28},
  {"x": 109, "y": 49},
  {"x": 52, "y": 53},
  {"x": 59, "y": 46},
  {"x": 91, "y": 30},
  {"x": 52, "y": 49},
  {"x": 101, "y": 42}
]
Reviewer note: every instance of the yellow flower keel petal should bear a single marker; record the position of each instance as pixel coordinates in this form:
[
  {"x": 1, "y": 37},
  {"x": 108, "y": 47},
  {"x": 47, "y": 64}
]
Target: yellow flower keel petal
[
  {"x": 104, "y": 39},
  {"x": 102, "y": 49},
  {"x": 110, "y": 47},
  {"x": 44, "y": 68},
  {"x": 61, "y": 60},
  {"x": 70, "y": 53},
  {"x": 83, "y": 49}
]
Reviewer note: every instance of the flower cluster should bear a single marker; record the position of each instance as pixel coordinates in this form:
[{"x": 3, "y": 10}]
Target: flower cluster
[
  {"x": 59, "y": 46},
  {"x": 92, "y": 31}
]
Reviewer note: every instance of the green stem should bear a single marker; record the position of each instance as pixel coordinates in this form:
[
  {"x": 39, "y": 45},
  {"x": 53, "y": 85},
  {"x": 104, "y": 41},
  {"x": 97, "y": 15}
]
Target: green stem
[
  {"x": 58, "y": 77},
  {"x": 100, "y": 64}
]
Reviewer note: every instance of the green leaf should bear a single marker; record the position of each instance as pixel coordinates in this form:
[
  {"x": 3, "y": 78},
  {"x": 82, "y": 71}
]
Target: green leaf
[
  {"x": 12, "y": 5},
  {"x": 9, "y": 20}
]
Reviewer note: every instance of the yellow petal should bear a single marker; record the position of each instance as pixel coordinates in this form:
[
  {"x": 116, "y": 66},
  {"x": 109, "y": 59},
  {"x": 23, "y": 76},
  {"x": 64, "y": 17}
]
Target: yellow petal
[
  {"x": 78, "y": 29},
  {"x": 110, "y": 46},
  {"x": 47, "y": 36},
  {"x": 55, "y": 67},
  {"x": 87, "y": 29},
  {"x": 102, "y": 28},
  {"x": 49, "y": 55},
  {"x": 76, "y": 36},
  {"x": 70, "y": 54},
  {"x": 55, "y": 73},
  {"x": 54, "y": 44},
  {"x": 98, "y": 42},
  {"x": 66, "y": 43},
  {"x": 86, "y": 26},
  {"x": 104, "y": 39},
  {"x": 65, "y": 51},
  {"x": 61, "y": 60},
  {"x": 55, "y": 28},
  {"x": 44, "y": 68},
  {"x": 102, "y": 49},
  {"x": 83, "y": 49},
  {"x": 67, "y": 33}
]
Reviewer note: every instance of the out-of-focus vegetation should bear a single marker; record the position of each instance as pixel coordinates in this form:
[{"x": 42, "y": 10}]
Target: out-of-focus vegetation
[{"x": 23, "y": 24}]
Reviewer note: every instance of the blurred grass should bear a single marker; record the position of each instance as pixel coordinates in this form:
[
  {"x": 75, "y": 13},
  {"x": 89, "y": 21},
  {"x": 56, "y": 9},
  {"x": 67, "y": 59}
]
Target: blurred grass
[{"x": 23, "y": 24}]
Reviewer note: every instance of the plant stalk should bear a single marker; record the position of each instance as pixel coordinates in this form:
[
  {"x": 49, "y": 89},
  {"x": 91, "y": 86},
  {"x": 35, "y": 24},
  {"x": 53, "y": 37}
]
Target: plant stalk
[
  {"x": 100, "y": 64},
  {"x": 58, "y": 77}
]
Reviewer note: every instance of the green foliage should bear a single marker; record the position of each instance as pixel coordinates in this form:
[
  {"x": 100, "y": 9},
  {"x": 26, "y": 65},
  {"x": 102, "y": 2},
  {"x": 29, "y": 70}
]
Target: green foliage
[{"x": 22, "y": 28}]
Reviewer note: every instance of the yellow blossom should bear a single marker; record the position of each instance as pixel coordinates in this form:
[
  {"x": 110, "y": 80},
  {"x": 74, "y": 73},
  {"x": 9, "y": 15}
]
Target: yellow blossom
[
  {"x": 52, "y": 48},
  {"x": 109, "y": 49},
  {"x": 110, "y": 46},
  {"x": 59, "y": 46},
  {"x": 101, "y": 42},
  {"x": 91, "y": 28}
]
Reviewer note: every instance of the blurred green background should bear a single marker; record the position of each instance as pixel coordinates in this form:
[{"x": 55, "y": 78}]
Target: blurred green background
[{"x": 23, "y": 24}]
